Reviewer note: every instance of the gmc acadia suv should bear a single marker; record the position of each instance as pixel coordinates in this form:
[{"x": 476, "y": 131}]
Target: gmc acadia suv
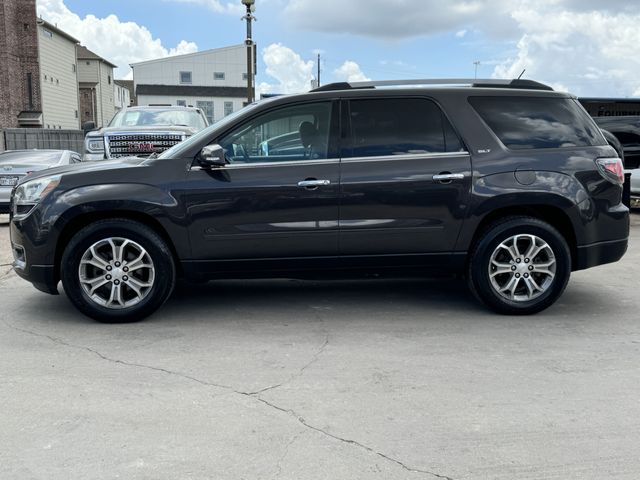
[{"x": 507, "y": 182}]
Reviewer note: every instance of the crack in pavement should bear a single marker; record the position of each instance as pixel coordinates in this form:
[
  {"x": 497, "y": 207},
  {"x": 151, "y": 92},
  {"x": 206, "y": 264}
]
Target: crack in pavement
[
  {"x": 252, "y": 395},
  {"x": 285, "y": 453},
  {"x": 313, "y": 360}
]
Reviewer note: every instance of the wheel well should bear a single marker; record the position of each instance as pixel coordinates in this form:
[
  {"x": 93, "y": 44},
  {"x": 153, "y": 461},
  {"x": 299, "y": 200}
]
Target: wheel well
[
  {"x": 552, "y": 215},
  {"x": 81, "y": 221}
]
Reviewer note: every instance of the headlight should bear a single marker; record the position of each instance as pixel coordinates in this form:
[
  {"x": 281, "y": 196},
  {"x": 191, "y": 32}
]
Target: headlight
[
  {"x": 30, "y": 193},
  {"x": 94, "y": 144}
]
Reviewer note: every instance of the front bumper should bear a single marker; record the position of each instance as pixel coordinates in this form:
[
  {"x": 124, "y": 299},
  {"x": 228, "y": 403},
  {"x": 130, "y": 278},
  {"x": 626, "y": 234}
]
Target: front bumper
[
  {"x": 43, "y": 277},
  {"x": 93, "y": 157},
  {"x": 5, "y": 198},
  {"x": 33, "y": 255}
]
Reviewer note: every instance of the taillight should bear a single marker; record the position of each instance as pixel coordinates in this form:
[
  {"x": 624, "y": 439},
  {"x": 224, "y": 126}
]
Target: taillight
[{"x": 611, "y": 168}]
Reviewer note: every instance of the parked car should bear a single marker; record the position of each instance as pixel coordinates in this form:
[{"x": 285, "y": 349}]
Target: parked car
[
  {"x": 142, "y": 132},
  {"x": 15, "y": 164},
  {"x": 635, "y": 188},
  {"x": 627, "y": 130},
  {"x": 506, "y": 182}
]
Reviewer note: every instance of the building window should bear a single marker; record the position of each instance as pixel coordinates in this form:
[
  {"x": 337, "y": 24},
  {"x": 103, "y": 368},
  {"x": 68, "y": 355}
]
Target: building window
[
  {"x": 73, "y": 67},
  {"x": 76, "y": 113},
  {"x": 47, "y": 33},
  {"x": 218, "y": 75},
  {"x": 30, "y": 90},
  {"x": 88, "y": 62},
  {"x": 181, "y": 103},
  {"x": 185, "y": 77},
  {"x": 207, "y": 109},
  {"x": 109, "y": 79},
  {"x": 228, "y": 108},
  {"x": 245, "y": 77}
]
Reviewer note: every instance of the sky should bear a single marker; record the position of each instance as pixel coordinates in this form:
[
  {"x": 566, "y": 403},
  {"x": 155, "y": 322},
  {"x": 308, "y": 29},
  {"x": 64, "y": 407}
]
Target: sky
[{"x": 587, "y": 47}]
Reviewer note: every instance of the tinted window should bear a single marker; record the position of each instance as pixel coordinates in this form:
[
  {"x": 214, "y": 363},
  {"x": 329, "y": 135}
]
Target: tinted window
[
  {"x": 400, "y": 126},
  {"x": 538, "y": 122},
  {"x": 287, "y": 134}
]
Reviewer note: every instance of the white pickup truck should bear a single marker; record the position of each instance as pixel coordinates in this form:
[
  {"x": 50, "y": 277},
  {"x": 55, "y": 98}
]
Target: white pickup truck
[{"x": 142, "y": 131}]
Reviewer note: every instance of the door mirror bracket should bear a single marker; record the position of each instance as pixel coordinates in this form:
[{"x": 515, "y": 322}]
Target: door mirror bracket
[{"x": 212, "y": 156}]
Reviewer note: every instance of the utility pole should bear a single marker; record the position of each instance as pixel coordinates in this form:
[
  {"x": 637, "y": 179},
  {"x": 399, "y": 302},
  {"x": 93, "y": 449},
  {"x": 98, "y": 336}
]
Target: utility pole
[
  {"x": 318, "y": 70},
  {"x": 476, "y": 63},
  {"x": 250, "y": 6}
]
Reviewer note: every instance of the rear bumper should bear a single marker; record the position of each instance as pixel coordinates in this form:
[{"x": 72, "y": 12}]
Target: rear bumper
[{"x": 600, "y": 253}]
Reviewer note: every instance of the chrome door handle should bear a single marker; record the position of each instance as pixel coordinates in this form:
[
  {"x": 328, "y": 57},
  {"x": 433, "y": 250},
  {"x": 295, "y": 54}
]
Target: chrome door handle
[
  {"x": 448, "y": 177},
  {"x": 314, "y": 183}
]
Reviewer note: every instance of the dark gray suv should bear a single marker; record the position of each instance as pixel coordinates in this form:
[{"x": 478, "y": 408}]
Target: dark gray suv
[{"x": 506, "y": 182}]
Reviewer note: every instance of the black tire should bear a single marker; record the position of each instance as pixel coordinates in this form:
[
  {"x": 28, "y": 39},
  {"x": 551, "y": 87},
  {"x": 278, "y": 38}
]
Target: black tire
[
  {"x": 157, "y": 249},
  {"x": 479, "y": 279}
]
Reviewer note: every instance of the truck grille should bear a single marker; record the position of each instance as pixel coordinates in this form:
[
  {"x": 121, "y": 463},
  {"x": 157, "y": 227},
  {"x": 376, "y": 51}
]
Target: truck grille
[{"x": 141, "y": 145}]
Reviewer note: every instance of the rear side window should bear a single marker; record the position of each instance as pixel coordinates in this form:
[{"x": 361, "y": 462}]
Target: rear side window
[
  {"x": 538, "y": 122},
  {"x": 400, "y": 126}
]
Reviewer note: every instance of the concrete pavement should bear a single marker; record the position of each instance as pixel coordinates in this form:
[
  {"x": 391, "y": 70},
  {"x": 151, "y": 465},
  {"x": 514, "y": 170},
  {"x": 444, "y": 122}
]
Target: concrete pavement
[{"x": 402, "y": 379}]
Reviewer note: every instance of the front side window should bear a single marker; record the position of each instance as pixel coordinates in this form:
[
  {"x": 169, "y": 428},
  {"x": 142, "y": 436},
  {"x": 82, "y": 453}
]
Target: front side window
[
  {"x": 399, "y": 126},
  {"x": 185, "y": 77},
  {"x": 288, "y": 134},
  {"x": 538, "y": 122}
]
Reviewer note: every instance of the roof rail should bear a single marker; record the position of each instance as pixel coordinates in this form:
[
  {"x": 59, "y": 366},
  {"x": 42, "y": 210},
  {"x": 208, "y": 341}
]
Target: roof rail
[{"x": 472, "y": 82}]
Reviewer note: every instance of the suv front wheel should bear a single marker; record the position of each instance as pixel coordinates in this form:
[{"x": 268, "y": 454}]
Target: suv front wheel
[
  {"x": 117, "y": 270},
  {"x": 519, "y": 266}
]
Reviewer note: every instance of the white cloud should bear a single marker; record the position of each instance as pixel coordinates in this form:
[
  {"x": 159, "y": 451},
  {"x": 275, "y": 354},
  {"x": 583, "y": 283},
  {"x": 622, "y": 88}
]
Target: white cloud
[
  {"x": 292, "y": 73},
  {"x": 216, "y": 5},
  {"x": 119, "y": 42},
  {"x": 587, "y": 53},
  {"x": 461, "y": 33},
  {"x": 350, "y": 71},
  {"x": 398, "y": 18}
]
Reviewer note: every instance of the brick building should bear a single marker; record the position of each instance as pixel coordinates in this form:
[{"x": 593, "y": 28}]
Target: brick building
[{"x": 19, "y": 67}]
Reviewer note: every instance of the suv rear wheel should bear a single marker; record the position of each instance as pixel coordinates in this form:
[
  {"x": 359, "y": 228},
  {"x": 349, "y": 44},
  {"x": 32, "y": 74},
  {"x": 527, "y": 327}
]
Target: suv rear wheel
[
  {"x": 117, "y": 270},
  {"x": 519, "y": 266}
]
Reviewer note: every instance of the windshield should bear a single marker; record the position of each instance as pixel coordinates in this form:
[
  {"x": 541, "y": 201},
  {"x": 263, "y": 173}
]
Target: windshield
[
  {"x": 158, "y": 117},
  {"x": 177, "y": 150},
  {"x": 32, "y": 157}
]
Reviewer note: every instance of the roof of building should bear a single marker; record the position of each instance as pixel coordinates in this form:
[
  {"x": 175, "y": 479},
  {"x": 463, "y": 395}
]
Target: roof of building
[
  {"x": 189, "y": 55},
  {"x": 128, "y": 84},
  {"x": 83, "y": 53},
  {"x": 55, "y": 29},
  {"x": 191, "y": 91}
]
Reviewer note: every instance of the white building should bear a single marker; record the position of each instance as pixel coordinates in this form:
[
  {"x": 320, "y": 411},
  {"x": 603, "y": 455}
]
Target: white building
[
  {"x": 97, "y": 93},
  {"x": 212, "y": 80},
  {"x": 59, "y": 83},
  {"x": 122, "y": 96}
]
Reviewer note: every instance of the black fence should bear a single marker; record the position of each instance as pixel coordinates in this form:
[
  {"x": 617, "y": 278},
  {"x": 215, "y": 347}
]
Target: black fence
[{"x": 29, "y": 138}]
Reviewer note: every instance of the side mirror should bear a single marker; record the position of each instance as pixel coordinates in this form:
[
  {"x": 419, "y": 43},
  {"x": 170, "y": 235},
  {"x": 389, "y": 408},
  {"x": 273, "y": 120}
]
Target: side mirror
[
  {"x": 212, "y": 156},
  {"x": 88, "y": 126}
]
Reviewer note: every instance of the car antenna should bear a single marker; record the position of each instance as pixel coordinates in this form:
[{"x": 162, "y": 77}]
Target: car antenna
[{"x": 522, "y": 73}]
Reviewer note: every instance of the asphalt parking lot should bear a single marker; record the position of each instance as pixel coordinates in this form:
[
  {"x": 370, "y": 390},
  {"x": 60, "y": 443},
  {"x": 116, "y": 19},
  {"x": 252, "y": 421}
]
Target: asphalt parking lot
[{"x": 324, "y": 380}]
